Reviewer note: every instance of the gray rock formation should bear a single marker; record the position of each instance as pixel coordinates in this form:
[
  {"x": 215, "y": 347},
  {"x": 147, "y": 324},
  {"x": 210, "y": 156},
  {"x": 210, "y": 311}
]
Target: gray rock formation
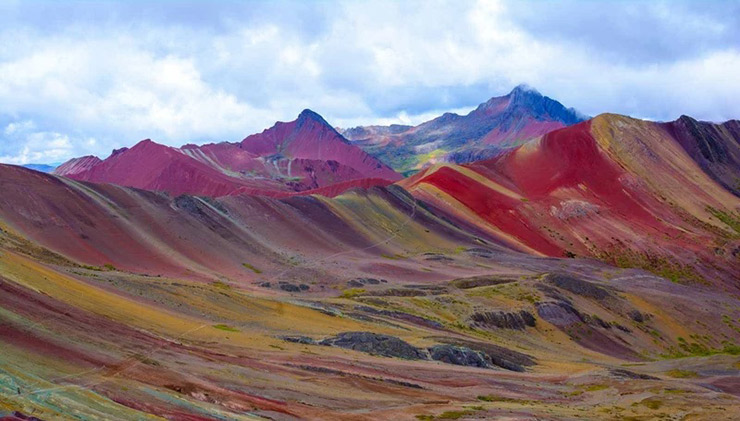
[
  {"x": 458, "y": 355},
  {"x": 376, "y": 344},
  {"x": 503, "y": 320}
]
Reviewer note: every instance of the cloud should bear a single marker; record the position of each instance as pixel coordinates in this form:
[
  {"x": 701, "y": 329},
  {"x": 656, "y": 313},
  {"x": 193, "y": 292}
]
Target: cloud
[
  {"x": 106, "y": 74},
  {"x": 26, "y": 144}
]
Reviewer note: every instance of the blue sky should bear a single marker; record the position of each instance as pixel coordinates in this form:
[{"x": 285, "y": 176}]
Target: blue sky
[{"x": 85, "y": 77}]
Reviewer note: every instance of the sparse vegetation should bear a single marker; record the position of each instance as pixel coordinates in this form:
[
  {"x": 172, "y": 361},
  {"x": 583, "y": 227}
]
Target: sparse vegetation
[
  {"x": 652, "y": 403},
  {"x": 675, "y": 391},
  {"x": 662, "y": 266},
  {"x": 682, "y": 374},
  {"x": 455, "y": 415},
  {"x": 449, "y": 415},
  {"x": 252, "y": 268},
  {"x": 731, "y": 219},
  {"x": 352, "y": 292},
  {"x": 730, "y": 323},
  {"x": 226, "y": 328},
  {"x": 220, "y": 285},
  {"x": 494, "y": 398},
  {"x": 694, "y": 349}
]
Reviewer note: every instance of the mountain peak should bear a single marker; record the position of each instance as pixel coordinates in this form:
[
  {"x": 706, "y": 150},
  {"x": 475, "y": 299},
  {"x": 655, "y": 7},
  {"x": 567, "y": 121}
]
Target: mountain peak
[
  {"x": 523, "y": 88},
  {"x": 77, "y": 165},
  {"x": 145, "y": 142},
  {"x": 540, "y": 106},
  {"x": 311, "y": 115},
  {"x": 687, "y": 119},
  {"x": 119, "y": 150},
  {"x": 522, "y": 94}
]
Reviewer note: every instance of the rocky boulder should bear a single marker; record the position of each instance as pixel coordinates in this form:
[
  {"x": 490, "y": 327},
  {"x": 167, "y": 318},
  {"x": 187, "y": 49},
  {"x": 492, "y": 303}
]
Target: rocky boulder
[
  {"x": 495, "y": 355},
  {"x": 458, "y": 355},
  {"x": 376, "y": 344},
  {"x": 578, "y": 286},
  {"x": 305, "y": 340},
  {"x": 559, "y": 313},
  {"x": 360, "y": 282},
  {"x": 503, "y": 320}
]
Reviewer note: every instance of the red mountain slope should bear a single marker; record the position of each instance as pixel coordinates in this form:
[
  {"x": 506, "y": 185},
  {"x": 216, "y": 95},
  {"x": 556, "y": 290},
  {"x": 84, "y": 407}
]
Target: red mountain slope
[
  {"x": 77, "y": 165},
  {"x": 310, "y": 137},
  {"x": 150, "y": 232},
  {"x": 616, "y": 188},
  {"x": 305, "y": 154},
  {"x": 152, "y": 166}
]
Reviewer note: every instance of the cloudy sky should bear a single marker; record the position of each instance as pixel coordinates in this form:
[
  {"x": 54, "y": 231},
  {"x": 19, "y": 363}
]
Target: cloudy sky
[{"x": 85, "y": 77}]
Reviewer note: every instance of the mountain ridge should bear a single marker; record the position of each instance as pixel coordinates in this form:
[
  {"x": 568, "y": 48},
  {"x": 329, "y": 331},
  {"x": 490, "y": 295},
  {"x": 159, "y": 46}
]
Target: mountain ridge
[
  {"x": 616, "y": 188},
  {"x": 300, "y": 155},
  {"x": 491, "y": 127}
]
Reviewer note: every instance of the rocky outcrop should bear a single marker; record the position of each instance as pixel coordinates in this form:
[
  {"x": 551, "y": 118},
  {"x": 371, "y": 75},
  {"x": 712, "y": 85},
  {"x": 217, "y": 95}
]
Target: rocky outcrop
[
  {"x": 626, "y": 374},
  {"x": 376, "y": 344},
  {"x": 503, "y": 320},
  {"x": 289, "y": 287},
  {"x": 410, "y": 290},
  {"x": 559, "y": 313},
  {"x": 636, "y": 316},
  {"x": 286, "y": 286},
  {"x": 578, "y": 286},
  {"x": 458, "y": 355},
  {"x": 457, "y": 352},
  {"x": 417, "y": 320},
  {"x": 495, "y": 355},
  {"x": 588, "y": 331},
  {"x": 573, "y": 209},
  {"x": 552, "y": 292},
  {"x": 480, "y": 281},
  {"x": 360, "y": 282},
  {"x": 479, "y": 252},
  {"x": 595, "y": 320},
  {"x": 299, "y": 340},
  {"x": 464, "y": 353},
  {"x": 437, "y": 257}
]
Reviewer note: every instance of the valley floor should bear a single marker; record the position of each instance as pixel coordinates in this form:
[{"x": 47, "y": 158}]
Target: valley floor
[{"x": 97, "y": 343}]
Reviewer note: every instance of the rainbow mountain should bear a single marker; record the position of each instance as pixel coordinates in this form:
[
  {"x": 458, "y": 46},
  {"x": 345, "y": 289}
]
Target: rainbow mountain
[{"x": 593, "y": 267}]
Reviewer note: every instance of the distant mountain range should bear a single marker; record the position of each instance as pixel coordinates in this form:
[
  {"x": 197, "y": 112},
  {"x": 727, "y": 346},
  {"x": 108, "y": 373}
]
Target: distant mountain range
[
  {"x": 493, "y": 126},
  {"x": 302, "y": 155},
  {"x": 308, "y": 154},
  {"x": 42, "y": 167}
]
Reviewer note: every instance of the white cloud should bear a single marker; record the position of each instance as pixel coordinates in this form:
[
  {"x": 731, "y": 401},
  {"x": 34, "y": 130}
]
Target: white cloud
[
  {"x": 36, "y": 146},
  {"x": 20, "y": 126}
]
